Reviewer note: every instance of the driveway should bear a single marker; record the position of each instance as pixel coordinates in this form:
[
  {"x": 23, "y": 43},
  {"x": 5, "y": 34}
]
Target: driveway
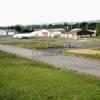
[{"x": 87, "y": 66}]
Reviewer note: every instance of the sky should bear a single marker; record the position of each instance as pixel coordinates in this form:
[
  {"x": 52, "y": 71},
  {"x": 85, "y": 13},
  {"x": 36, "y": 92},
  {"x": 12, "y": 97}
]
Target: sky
[{"x": 25, "y": 12}]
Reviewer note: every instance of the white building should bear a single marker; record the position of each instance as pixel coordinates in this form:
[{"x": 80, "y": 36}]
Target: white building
[
  {"x": 49, "y": 33},
  {"x": 41, "y": 33},
  {"x": 57, "y": 32}
]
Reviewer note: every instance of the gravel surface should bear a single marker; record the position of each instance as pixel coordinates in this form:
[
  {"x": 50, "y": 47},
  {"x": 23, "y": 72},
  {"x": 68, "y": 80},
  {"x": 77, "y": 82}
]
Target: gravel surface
[{"x": 87, "y": 66}]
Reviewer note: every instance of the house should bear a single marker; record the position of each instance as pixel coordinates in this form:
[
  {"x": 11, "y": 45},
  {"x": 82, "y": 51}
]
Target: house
[
  {"x": 54, "y": 32},
  {"x": 57, "y": 32},
  {"x": 49, "y": 32},
  {"x": 79, "y": 33}
]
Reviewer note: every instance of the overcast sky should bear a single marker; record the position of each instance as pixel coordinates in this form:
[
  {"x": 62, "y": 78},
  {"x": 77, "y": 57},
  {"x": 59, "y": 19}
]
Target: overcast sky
[{"x": 24, "y": 12}]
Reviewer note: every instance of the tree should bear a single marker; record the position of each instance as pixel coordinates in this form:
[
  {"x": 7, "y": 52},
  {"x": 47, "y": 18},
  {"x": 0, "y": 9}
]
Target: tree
[
  {"x": 92, "y": 26},
  {"x": 44, "y": 26},
  {"x": 98, "y": 28},
  {"x": 50, "y": 26},
  {"x": 84, "y": 25},
  {"x": 19, "y": 28}
]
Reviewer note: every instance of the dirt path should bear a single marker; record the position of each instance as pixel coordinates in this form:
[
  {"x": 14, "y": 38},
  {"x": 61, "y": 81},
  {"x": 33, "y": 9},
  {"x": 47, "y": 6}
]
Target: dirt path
[{"x": 78, "y": 64}]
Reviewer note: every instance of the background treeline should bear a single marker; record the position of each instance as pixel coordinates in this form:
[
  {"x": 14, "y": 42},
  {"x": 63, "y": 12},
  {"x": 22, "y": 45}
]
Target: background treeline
[{"x": 66, "y": 26}]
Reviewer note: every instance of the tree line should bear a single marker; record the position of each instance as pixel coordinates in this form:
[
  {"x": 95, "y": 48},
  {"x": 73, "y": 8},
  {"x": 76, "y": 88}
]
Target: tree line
[{"x": 66, "y": 26}]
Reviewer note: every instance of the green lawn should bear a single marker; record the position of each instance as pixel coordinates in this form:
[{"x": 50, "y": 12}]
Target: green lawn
[{"x": 23, "y": 79}]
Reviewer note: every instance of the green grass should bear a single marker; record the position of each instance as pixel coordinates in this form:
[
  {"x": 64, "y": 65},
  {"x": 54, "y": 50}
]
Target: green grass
[{"x": 23, "y": 79}]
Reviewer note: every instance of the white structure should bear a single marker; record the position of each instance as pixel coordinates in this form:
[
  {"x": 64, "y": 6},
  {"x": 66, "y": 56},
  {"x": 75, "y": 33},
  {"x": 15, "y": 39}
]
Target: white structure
[
  {"x": 41, "y": 33},
  {"x": 57, "y": 32},
  {"x": 23, "y": 35},
  {"x": 48, "y": 33},
  {"x": 37, "y": 33}
]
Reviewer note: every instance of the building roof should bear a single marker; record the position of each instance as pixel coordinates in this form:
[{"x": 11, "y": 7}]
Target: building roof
[
  {"x": 76, "y": 29},
  {"x": 80, "y": 32},
  {"x": 62, "y": 30}
]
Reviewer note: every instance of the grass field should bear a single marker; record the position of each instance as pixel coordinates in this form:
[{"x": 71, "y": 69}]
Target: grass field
[
  {"x": 92, "y": 40},
  {"x": 46, "y": 42},
  {"x": 89, "y": 53},
  {"x": 32, "y": 43},
  {"x": 23, "y": 79}
]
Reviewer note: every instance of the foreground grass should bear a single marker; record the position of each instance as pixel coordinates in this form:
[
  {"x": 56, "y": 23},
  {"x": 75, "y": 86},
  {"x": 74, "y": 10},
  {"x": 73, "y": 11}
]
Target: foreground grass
[
  {"x": 88, "y": 53},
  {"x": 23, "y": 79}
]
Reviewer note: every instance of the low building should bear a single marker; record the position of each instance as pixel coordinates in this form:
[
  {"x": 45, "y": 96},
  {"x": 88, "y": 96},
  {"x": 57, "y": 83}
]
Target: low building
[
  {"x": 79, "y": 33},
  {"x": 41, "y": 33},
  {"x": 49, "y": 32},
  {"x": 57, "y": 32}
]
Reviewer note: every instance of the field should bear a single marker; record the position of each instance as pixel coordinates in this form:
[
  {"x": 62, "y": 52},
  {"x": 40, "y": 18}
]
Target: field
[
  {"x": 23, "y": 79},
  {"x": 89, "y": 53},
  {"x": 46, "y": 42},
  {"x": 32, "y": 43}
]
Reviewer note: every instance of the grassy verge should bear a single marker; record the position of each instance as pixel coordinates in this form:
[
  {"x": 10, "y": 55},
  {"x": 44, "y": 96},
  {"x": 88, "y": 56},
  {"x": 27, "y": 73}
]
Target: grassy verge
[
  {"x": 23, "y": 79},
  {"x": 93, "y": 40},
  {"x": 31, "y": 43},
  {"x": 88, "y": 53},
  {"x": 98, "y": 49}
]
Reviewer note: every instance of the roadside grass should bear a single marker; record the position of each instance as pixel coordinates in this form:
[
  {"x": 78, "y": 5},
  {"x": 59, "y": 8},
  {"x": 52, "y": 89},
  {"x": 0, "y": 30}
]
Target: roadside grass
[
  {"x": 93, "y": 40},
  {"x": 88, "y": 53},
  {"x": 98, "y": 49},
  {"x": 23, "y": 79},
  {"x": 46, "y": 42},
  {"x": 30, "y": 43}
]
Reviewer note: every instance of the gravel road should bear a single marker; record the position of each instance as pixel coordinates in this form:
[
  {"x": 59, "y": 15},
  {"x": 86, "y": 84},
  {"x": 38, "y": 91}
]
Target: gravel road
[{"x": 87, "y": 66}]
